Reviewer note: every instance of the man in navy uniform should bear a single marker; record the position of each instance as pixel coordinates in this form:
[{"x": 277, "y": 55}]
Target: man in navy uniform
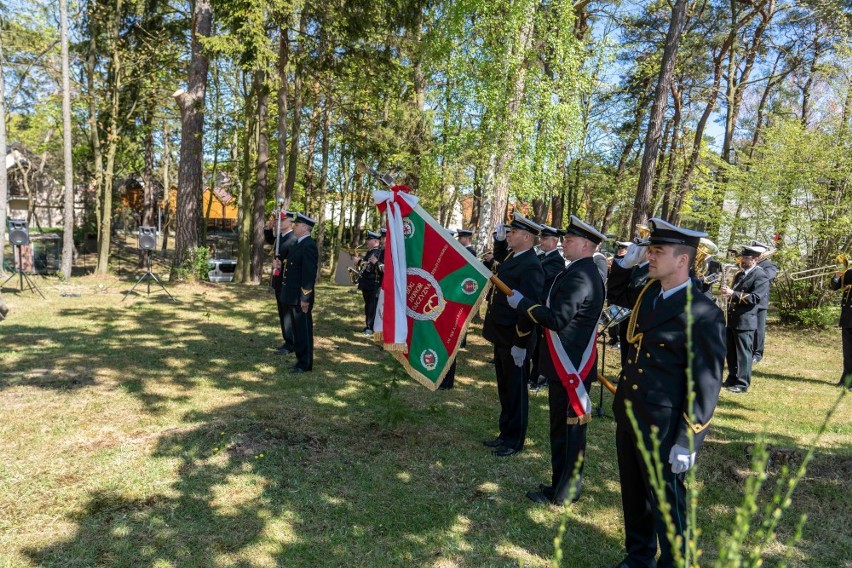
[
  {"x": 465, "y": 237},
  {"x": 297, "y": 291},
  {"x": 569, "y": 318},
  {"x": 655, "y": 383},
  {"x": 552, "y": 262},
  {"x": 843, "y": 281},
  {"x": 750, "y": 287},
  {"x": 616, "y": 332},
  {"x": 511, "y": 334},
  {"x": 370, "y": 279},
  {"x": 771, "y": 270},
  {"x": 281, "y": 249}
]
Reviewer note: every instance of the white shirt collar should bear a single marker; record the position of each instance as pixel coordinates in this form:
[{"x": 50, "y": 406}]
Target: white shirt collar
[
  {"x": 747, "y": 270},
  {"x": 668, "y": 293},
  {"x": 519, "y": 253},
  {"x": 303, "y": 237}
]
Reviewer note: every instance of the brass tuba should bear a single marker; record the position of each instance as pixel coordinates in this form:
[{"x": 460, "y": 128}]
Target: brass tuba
[{"x": 706, "y": 250}]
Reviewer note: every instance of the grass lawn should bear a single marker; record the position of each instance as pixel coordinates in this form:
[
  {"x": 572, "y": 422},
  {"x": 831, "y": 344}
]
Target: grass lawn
[{"x": 152, "y": 433}]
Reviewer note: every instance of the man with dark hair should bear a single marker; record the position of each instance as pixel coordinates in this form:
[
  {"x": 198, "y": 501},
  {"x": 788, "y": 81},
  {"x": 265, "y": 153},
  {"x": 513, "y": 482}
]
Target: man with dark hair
[
  {"x": 843, "y": 281},
  {"x": 281, "y": 248},
  {"x": 657, "y": 386},
  {"x": 370, "y": 269},
  {"x": 750, "y": 287},
  {"x": 297, "y": 291},
  {"x": 512, "y": 335},
  {"x": 771, "y": 270},
  {"x": 569, "y": 317}
]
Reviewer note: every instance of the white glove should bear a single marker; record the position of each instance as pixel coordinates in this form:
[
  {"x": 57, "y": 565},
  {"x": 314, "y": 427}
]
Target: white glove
[
  {"x": 635, "y": 255},
  {"x": 519, "y": 355},
  {"x": 501, "y": 232},
  {"x": 515, "y": 298},
  {"x": 681, "y": 459}
]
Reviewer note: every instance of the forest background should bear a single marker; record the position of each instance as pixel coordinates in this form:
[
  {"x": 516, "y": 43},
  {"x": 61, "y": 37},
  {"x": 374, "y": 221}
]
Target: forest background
[{"x": 732, "y": 117}]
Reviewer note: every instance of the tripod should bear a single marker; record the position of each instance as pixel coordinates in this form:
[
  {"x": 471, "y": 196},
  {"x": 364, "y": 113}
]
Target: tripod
[
  {"x": 23, "y": 276},
  {"x": 147, "y": 277}
]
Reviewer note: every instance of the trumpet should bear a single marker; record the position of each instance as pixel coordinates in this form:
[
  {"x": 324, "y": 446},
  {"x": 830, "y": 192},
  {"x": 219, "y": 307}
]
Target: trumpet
[{"x": 841, "y": 265}]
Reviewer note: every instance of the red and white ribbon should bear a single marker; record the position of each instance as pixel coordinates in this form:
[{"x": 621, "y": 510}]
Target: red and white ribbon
[{"x": 391, "y": 324}]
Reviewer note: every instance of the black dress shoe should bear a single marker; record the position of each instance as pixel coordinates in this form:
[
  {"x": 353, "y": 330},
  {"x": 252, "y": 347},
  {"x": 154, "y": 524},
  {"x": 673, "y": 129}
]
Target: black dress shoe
[
  {"x": 504, "y": 452},
  {"x": 283, "y": 350},
  {"x": 737, "y": 390},
  {"x": 295, "y": 369},
  {"x": 492, "y": 443},
  {"x": 539, "y": 497}
]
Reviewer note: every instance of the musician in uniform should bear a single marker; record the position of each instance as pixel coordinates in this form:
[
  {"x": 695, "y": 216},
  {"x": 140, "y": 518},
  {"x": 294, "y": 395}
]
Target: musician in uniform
[
  {"x": 771, "y": 270},
  {"x": 281, "y": 249},
  {"x": 750, "y": 287},
  {"x": 843, "y": 281},
  {"x": 570, "y": 317},
  {"x": 655, "y": 383},
  {"x": 370, "y": 269},
  {"x": 297, "y": 290},
  {"x": 552, "y": 262},
  {"x": 511, "y": 334}
]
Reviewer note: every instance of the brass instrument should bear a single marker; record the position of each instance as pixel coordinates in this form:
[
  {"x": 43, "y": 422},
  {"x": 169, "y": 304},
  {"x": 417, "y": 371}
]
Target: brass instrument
[
  {"x": 841, "y": 265},
  {"x": 706, "y": 250},
  {"x": 726, "y": 279},
  {"x": 643, "y": 233}
]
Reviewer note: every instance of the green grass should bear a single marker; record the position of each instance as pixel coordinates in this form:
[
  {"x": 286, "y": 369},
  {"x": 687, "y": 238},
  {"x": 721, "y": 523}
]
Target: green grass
[{"x": 154, "y": 433}]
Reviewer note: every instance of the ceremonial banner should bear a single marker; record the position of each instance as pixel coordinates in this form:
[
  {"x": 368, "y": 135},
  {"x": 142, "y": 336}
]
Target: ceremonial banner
[{"x": 431, "y": 289}]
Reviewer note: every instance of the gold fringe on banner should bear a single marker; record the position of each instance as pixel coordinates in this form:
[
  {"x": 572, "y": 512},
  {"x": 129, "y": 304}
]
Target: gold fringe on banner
[{"x": 575, "y": 420}]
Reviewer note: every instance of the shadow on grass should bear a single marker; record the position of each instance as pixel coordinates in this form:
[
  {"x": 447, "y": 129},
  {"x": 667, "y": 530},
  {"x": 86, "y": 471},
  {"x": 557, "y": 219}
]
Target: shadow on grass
[{"x": 342, "y": 466}]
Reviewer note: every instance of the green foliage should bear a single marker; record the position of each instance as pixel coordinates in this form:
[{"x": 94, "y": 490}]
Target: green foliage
[
  {"x": 819, "y": 318},
  {"x": 196, "y": 266}
]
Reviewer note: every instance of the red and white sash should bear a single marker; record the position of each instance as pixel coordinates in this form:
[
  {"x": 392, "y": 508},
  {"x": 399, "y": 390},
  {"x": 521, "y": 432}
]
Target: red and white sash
[{"x": 571, "y": 378}]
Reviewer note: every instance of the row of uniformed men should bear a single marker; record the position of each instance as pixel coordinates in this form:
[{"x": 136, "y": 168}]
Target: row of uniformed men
[{"x": 568, "y": 307}]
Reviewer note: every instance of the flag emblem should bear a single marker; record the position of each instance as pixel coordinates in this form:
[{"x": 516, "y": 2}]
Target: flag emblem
[
  {"x": 407, "y": 228},
  {"x": 429, "y": 359},
  {"x": 469, "y": 286}
]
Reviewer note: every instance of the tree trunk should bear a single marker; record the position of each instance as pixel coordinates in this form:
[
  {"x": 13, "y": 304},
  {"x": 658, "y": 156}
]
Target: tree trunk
[
  {"x": 191, "y": 169},
  {"x": 652, "y": 138},
  {"x": 94, "y": 133},
  {"x": 283, "y": 96},
  {"x": 242, "y": 273},
  {"x": 167, "y": 198},
  {"x": 4, "y": 187},
  {"x": 297, "y": 111},
  {"x": 68, "y": 217},
  {"x": 262, "y": 176},
  {"x": 323, "y": 192},
  {"x": 112, "y": 144}
]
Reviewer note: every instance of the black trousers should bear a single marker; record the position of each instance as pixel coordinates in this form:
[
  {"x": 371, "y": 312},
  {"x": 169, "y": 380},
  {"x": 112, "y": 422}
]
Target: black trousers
[
  {"x": 514, "y": 398},
  {"x": 303, "y": 332},
  {"x": 760, "y": 334},
  {"x": 371, "y": 302},
  {"x": 643, "y": 522},
  {"x": 567, "y": 444},
  {"x": 739, "y": 357},
  {"x": 846, "y": 334},
  {"x": 534, "y": 370},
  {"x": 450, "y": 378},
  {"x": 285, "y": 318}
]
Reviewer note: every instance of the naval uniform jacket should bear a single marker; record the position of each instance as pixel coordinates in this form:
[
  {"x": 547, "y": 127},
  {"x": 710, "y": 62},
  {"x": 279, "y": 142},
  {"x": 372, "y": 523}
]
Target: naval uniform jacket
[
  {"x": 552, "y": 263},
  {"x": 300, "y": 273},
  {"x": 749, "y": 292},
  {"x": 503, "y": 326},
  {"x": 771, "y": 270},
  {"x": 371, "y": 274},
  {"x": 655, "y": 379},
  {"x": 576, "y": 300},
  {"x": 285, "y": 243},
  {"x": 845, "y": 283}
]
